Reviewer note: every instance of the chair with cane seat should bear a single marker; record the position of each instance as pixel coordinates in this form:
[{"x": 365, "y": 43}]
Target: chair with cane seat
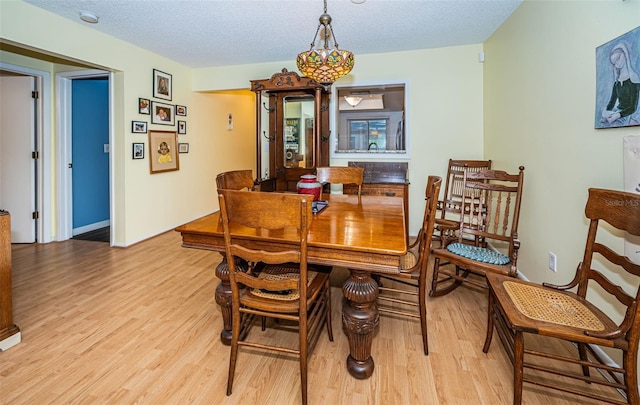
[
  {"x": 487, "y": 233},
  {"x": 286, "y": 288},
  {"x": 407, "y": 290},
  {"x": 518, "y": 308}
]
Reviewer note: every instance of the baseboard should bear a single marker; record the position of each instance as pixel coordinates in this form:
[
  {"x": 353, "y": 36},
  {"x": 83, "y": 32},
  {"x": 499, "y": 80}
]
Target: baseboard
[
  {"x": 91, "y": 227},
  {"x": 10, "y": 341}
]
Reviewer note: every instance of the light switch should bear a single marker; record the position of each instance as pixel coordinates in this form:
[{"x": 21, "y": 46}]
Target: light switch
[{"x": 106, "y": 148}]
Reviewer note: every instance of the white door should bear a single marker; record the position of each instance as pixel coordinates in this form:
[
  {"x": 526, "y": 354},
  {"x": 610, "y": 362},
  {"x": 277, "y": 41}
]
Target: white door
[{"x": 17, "y": 167}]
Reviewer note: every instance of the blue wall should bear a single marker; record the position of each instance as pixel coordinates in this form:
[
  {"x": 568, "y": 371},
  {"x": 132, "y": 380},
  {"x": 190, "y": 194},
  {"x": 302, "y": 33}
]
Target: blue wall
[{"x": 90, "y": 132}]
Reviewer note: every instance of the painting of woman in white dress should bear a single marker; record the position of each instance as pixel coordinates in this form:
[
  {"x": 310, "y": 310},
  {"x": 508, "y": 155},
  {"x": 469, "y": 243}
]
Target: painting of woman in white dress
[{"x": 618, "y": 82}]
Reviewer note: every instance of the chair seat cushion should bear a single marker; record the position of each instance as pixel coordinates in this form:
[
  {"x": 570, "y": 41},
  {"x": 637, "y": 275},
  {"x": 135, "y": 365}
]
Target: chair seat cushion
[{"x": 478, "y": 253}]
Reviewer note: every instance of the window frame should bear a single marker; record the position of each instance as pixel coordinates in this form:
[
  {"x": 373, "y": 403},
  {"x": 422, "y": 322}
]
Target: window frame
[{"x": 335, "y": 120}]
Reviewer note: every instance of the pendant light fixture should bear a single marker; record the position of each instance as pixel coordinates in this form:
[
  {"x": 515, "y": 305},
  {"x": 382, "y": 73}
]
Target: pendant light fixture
[{"x": 325, "y": 64}]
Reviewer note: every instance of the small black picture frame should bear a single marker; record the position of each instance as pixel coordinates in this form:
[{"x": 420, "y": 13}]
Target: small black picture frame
[
  {"x": 183, "y": 148},
  {"x": 162, "y": 85},
  {"x": 181, "y": 110},
  {"x": 138, "y": 127},
  {"x": 144, "y": 106},
  {"x": 137, "y": 151},
  {"x": 182, "y": 127}
]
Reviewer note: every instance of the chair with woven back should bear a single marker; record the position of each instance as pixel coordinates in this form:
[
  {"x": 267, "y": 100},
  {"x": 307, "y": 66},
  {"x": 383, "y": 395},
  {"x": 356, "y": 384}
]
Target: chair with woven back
[
  {"x": 448, "y": 219},
  {"x": 341, "y": 175},
  {"x": 519, "y": 309},
  {"x": 235, "y": 180},
  {"x": 487, "y": 232},
  {"x": 407, "y": 292},
  {"x": 286, "y": 288}
]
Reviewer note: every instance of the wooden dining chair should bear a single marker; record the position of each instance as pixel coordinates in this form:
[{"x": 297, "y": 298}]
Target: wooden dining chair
[
  {"x": 235, "y": 180},
  {"x": 286, "y": 288},
  {"x": 487, "y": 232},
  {"x": 449, "y": 214},
  {"x": 406, "y": 293},
  {"x": 517, "y": 308},
  {"x": 341, "y": 175}
]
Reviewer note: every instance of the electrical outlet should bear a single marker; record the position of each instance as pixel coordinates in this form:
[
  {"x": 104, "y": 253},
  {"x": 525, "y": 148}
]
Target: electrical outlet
[{"x": 553, "y": 261}]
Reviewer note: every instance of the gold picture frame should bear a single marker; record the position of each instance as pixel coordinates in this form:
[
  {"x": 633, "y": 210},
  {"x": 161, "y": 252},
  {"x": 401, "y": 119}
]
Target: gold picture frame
[{"x": 163, "y": 151}]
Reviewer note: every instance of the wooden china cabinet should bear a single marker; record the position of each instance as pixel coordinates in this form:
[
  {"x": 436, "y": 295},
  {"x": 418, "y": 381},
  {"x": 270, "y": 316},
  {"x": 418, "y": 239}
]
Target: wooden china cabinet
[{"x": 292, "y": 121}]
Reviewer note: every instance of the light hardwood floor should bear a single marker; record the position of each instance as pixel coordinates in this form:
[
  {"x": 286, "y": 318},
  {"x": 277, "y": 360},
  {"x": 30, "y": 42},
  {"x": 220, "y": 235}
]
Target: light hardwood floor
[{"x": 140, "y": 325}]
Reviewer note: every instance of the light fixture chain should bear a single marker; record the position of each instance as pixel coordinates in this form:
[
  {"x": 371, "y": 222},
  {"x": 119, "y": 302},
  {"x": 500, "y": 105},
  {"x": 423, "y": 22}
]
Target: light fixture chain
[
  {"x": 333, "y": 35},
  {"x": 313, "y": 42}
]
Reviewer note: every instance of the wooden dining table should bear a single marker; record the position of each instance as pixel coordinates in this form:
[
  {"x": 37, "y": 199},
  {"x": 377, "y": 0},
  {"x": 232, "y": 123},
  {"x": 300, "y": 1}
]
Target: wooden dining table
[{"x": 363, "y": 234}]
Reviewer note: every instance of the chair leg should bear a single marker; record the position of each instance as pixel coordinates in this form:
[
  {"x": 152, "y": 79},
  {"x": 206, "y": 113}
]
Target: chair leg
[
  {"x": 328, "y": 319},
  {"x": 235, "y": 335},
  {"x": 422, "y": 305},
  {"x": 630, "y": 364},
  {"x": 434, "y": 279},
  {"x": 582, "y": 352},
  {"x": 490, "y": 312},
  {"x": 303, "y": 361},
  {"x": 435, "y": 292},
  {"x": 518, "y": 367}
]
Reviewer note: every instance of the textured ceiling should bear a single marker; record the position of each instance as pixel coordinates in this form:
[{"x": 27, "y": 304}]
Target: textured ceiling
[{"x": 207, "y": 33}]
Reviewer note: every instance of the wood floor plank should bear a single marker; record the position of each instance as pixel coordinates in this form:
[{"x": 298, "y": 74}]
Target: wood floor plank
[{"x": 140, "y": 325}]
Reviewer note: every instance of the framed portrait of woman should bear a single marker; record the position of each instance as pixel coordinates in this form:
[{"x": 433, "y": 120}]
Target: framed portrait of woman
[
  {"x": 618, "y": 81},
  {"x": 162, "y": 85}
]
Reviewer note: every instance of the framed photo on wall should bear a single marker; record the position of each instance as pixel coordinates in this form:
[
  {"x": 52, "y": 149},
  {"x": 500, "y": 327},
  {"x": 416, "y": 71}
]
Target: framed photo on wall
[
  {"x": 138, "y": 127},
  {"x": 618, "y": 81},
  {"x": 162, "y": 113},
  {"x": 138, "y": 151},
  {"x": 182, "y": 127},
  {"x": 162, "y": 85},
  {"x": 163, "y": 151},
  {"x": 181, "y": 110},
  {"x": 143, "y": 106},
  {"x": 183, "y": 148}
]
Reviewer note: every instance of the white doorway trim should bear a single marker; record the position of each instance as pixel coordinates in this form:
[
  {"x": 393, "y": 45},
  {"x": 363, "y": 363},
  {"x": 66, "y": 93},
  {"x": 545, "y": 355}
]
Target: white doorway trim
[
  {"x": 44, "y": 196},
  {"x": 63, "y": 152}
]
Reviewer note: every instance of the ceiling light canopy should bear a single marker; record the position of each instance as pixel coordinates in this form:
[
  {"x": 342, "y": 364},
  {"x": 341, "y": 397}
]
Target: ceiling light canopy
[
  {"x": 326, "y": 64},
  {"x": 88, "y": 17}
]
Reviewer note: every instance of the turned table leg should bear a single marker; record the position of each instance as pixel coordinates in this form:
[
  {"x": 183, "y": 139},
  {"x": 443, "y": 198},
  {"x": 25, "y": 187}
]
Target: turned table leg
[
  {"x": 360, "y": 317},
  {"x": 223, "y": 296}
]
